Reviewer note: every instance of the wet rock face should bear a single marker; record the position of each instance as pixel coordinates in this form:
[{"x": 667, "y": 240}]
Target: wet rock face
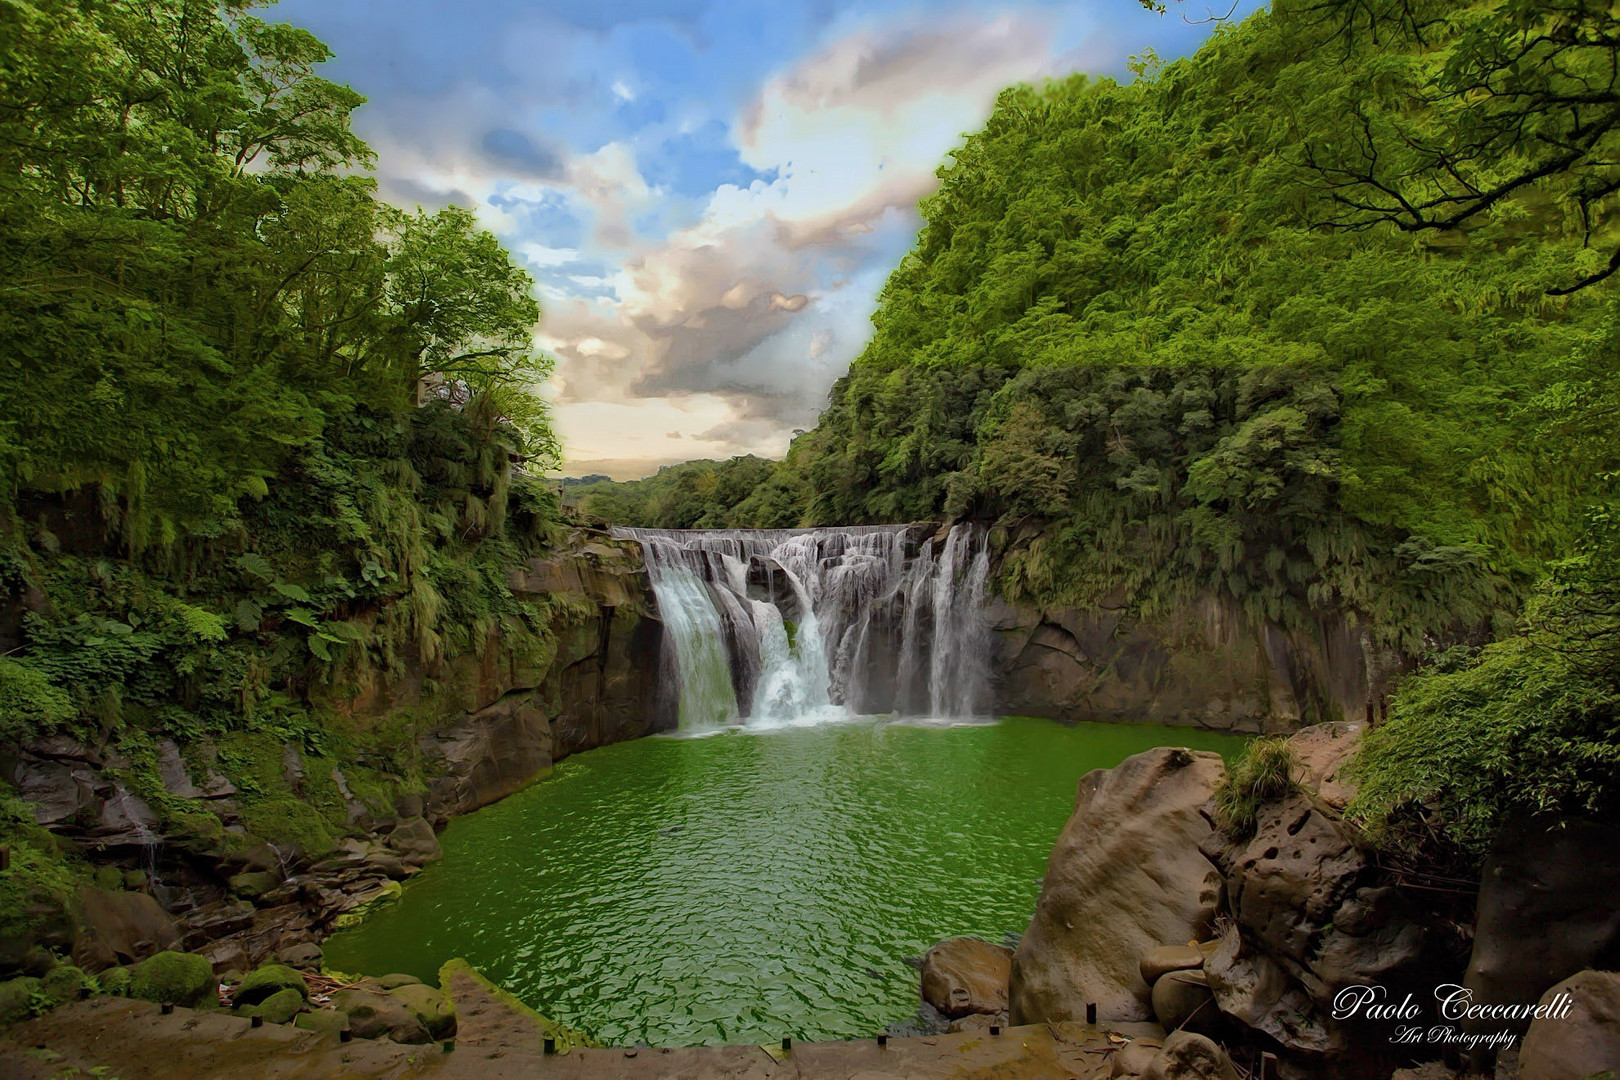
[
  {"x": 1205, "y": 665},
  {"x": 1125, "y": 877},
  {"x": 1549, "y": 906},
  {"x": 1583, "y": 1040},
  {"x": 120, "y": 928},
  {"x": 964, "y": 976},
  {"x": 72, "y": 792}
]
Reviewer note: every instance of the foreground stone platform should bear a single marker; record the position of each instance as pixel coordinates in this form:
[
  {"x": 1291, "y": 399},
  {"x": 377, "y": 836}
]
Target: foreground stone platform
[{"x": 132, "y": 1040}]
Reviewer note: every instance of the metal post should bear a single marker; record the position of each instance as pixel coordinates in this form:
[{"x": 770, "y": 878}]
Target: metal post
[
  {"x": 551, "y": 1045},
  {"x": 1091, "y": 1013}
]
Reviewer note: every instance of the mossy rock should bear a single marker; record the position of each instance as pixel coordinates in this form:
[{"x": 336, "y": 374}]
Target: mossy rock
[
  {"x": 254, "y": 883},
  {"x": 279, "y": 1008},
  {"x": 328, "y": 1020},
  {"x": 110, "y": 878},
  {"x": 115, "y": 981},
  {"x": 431, "y": 1006},
  {"x": 19, "y": 999},
  {"x": 267, "y": 980},
  {"x": 67, "y": 983},
  {"x": 134, "y": 880},
  {"x": 174, "y": 978},
  {"x": 395, "y": 981}
]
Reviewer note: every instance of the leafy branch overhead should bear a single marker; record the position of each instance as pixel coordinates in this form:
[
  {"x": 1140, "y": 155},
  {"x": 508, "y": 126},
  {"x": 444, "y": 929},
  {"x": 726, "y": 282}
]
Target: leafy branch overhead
[{"x": 1509, "y": 115}]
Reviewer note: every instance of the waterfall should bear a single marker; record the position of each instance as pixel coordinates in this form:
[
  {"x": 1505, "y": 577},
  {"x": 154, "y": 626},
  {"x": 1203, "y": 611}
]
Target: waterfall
[{"x": 793, "y": 626}]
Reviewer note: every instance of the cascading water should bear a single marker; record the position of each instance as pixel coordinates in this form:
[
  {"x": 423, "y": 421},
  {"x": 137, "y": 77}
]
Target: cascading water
[{"x": 776, "y": 627}]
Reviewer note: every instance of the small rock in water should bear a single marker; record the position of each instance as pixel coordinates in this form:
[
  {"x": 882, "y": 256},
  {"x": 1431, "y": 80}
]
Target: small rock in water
[
  {"x": 871, "y": 974},
  {"x": 670, "y": 829}
]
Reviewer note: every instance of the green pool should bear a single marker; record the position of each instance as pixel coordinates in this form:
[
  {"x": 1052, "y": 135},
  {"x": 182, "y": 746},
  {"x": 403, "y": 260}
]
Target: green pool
[{"x": 746, "y": 886}]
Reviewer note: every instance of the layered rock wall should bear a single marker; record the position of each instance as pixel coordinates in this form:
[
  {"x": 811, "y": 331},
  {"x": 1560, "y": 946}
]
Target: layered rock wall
[{"x": 1206, "y": 665}]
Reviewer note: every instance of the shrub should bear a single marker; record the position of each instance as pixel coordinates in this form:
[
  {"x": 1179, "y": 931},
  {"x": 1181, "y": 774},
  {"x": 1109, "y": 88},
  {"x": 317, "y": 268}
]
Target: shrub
[{"x": 1263, "y": 773}]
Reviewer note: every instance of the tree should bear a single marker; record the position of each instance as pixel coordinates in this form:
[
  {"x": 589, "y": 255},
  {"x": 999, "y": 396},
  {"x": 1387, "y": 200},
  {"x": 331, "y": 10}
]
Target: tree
[{"x": 1512, "y": 112}]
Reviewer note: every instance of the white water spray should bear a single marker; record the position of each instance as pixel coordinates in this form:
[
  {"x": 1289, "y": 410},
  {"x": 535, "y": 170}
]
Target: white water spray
[{"x": 785, "y": 627}]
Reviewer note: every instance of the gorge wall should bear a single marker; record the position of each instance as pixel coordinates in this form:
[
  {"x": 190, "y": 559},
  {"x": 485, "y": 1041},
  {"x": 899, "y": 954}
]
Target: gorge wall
[{"x": 1206, "y": 664}]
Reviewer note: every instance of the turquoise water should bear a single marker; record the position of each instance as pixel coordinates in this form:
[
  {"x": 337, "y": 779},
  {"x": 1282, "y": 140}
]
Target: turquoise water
[{"x": 748, "y": 885}]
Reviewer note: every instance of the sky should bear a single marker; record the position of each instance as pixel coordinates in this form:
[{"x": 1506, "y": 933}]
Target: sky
[{"x": 709, "y": 195}]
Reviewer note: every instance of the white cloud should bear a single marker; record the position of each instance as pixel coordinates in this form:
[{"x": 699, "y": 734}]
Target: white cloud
[{"x": 765, "y": 300}]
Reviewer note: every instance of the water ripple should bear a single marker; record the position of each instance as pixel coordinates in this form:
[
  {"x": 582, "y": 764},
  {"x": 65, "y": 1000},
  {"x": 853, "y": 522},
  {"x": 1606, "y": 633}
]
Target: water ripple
[{"x": 750, "y": 885}]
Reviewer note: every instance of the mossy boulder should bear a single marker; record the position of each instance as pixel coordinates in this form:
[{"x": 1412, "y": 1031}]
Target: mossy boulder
[
  {"x": 67, "y": 983},
  {"x": 374, "y": 1015},
  {"x": 18, "y": 999},
  {"x": 325, "y": 1020},
  {"x": 174, "y": 978},
  {"x": 267, "y": 980},
  {"x": 110, "y": 878},
  {"x": 279, "y": 1008},
  {"x": 395, "y": 981},
  {"x": 115, "y": 981},
  {"x": 431, "y": 1007}
]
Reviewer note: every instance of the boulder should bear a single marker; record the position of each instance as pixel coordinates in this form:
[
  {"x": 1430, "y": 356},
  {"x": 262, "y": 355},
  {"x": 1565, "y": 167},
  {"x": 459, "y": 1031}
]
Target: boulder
[
  {"x": 964, "y": 975},
  {"x": 1183, "y": 999},
  {"x": 375, "y": 1015},
  {"x": 65, "y": 983},
  {"x": 1188, "y": 1056},
  {"x": 1320, "y": 753},
  {"x": 1310, "y": 925},
  {"x": 18, "y": 997},
  {"x": 1134, "y": 1057},
  {"x": 1580, "y": 1042},
  {"x": 414, "y": 841},
  {"x": 329, "y": 1021},
  {"x": 431, "y": 1007},
  {"x": 174, "y": 978},
  {"x": 1169, "y": 958},
  {"x": 1255, "y": 989},
  {"x": 305, "y": 955},
  {"x": 267, "y": 980},
  {"x": 394, "y": 981},
  {"x": 1549, "y": 906},
  {"x": 1126, "y": 875},
  {"x": 279, "y": 1008},
  {"x": 120, "y": 928}
]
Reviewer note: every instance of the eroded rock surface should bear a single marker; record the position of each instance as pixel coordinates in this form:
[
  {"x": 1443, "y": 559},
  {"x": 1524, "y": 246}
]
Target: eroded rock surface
[
  {"x": 1582, "y": 1043},
  {"x": 963, "y": 976},
  {"x": 1125, "y": 877}
]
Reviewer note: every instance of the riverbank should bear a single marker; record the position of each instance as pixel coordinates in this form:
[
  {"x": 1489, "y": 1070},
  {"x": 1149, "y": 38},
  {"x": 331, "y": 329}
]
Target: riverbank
[{"x": 133, "y": 1040}]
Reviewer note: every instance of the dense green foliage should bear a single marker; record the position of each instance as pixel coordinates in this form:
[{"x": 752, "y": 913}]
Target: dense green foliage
[
  {"x": 261, "y": 434},
  {"x": 691, "y": 495}
]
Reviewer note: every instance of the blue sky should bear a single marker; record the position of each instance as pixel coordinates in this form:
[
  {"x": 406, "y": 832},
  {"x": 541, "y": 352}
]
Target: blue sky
[{"x": 709, "y": 195}]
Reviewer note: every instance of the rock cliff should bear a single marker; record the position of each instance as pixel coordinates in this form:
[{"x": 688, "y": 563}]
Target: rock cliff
[
  {"x": 1205, "y": 665},
  {"x": 239, "y": 845}
]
